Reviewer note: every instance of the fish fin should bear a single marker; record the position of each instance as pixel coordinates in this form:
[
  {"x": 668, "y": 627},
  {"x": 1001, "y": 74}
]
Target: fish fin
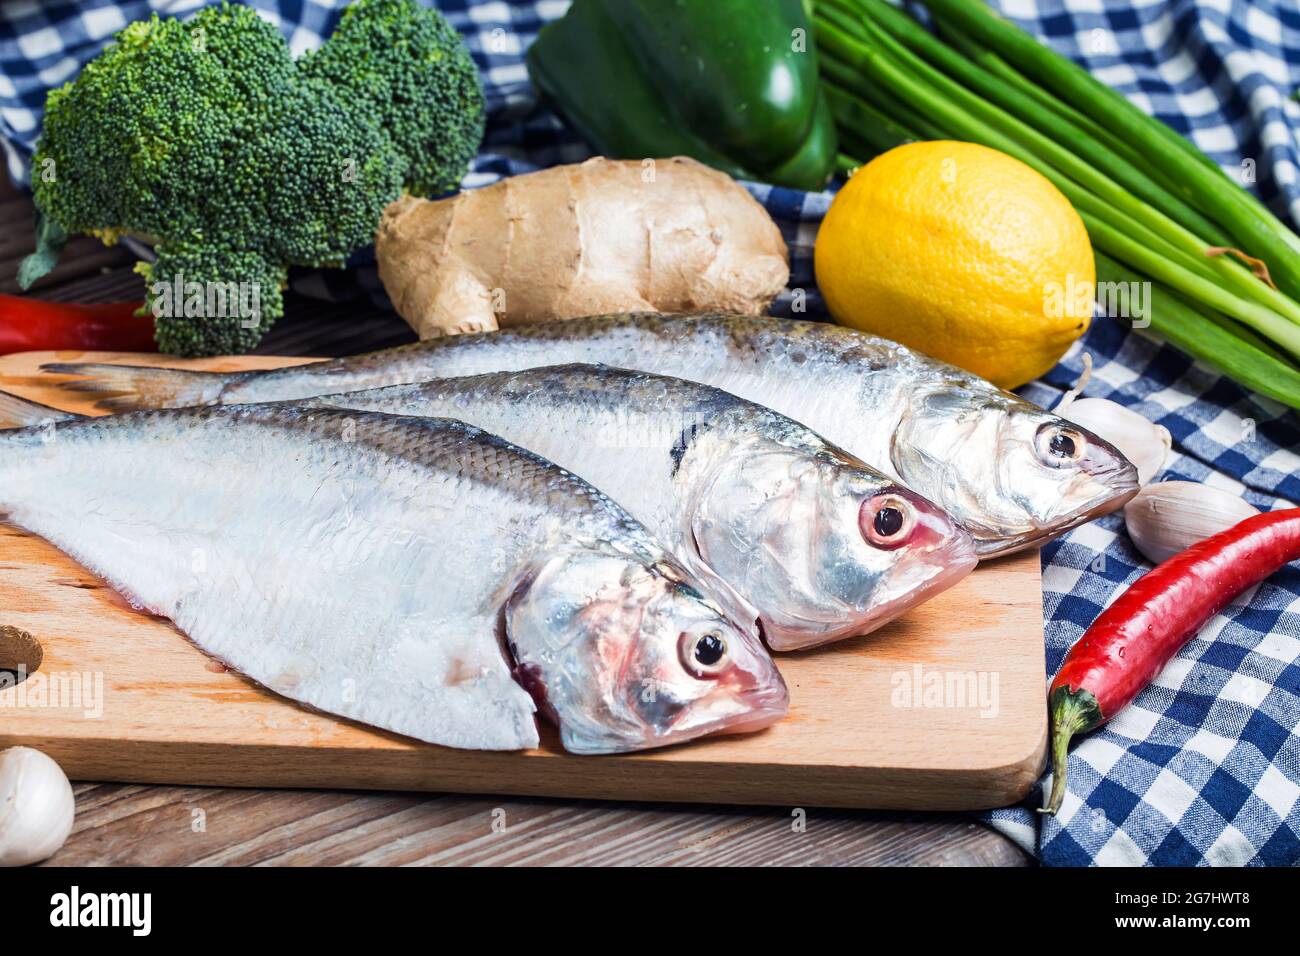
[
  {"x": 131, "y": 387},
  {"x": 18, "y": 412}
]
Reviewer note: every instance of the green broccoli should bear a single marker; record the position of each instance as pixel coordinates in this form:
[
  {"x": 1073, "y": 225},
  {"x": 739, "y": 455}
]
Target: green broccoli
[
  {"x": 206, "y": 138},
  {"x": 210, "y": 299},
  {"x": 138, "y": 142},
  {"x": 410, "y": 68},
  {"x": 322, "y": 176}
]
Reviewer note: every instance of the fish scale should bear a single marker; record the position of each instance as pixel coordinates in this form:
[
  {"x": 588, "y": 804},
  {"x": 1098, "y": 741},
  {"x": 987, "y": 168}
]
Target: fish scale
[
  {"x": 773, "y": 520},
  {"x": 716, "y": 479},
  {"x": 396, "y": 571},
  {"x": 981, "y": 454}
]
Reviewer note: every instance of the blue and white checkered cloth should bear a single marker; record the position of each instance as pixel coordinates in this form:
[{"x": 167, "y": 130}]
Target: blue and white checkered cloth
[{"x": 1204, "y": 768}]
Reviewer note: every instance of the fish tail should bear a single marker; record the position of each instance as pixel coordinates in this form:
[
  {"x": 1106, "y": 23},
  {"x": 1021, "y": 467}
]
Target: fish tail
[
  {"x": 130, "y": 387},
  {"x": 18, "y": 412}
]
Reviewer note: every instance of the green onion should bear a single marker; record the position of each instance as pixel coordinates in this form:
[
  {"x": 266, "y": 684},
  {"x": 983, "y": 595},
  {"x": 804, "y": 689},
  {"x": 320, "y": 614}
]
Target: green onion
[
  {"x": 1152, "y": 203},
  {"x": 1029, "y": 109},
  {"x": 848, "y": 80},
  {"x": 865, "y": 126},
  {"x": 1202, "y": 290},
  {"x": 846, "y": 164},
  {"x": 1182, "y": 166},
  {"x": 998, "y": 67},
  {"x": 1156, "y": 242},
  {"x": 1202, "y": 337}
]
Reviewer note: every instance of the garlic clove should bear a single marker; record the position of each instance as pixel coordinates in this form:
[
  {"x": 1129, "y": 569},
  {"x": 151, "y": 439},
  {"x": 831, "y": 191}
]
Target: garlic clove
[
  {"x": 1142, "y": 442},
  {"x": 36, "y": 807},
  {"x": 1169, "y": 516}
]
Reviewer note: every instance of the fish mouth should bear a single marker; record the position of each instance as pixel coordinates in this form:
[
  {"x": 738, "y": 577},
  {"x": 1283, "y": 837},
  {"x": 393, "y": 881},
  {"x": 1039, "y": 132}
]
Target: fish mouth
[
  {"x": 955, "y": 564},
  {"x": 763, "y": 704},
  {"x": 750, "y": 726},
  {"x": 757, "y": 710},
  {"x": 763, "y": 717},
  {"x": 1000, "y": 547}
]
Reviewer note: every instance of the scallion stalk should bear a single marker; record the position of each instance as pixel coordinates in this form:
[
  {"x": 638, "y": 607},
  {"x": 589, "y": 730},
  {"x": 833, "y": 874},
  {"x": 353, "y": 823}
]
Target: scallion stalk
[
  {"x": 846, "y": 164},
  {"x": 866, "y": 125},
  {"x": 1183, "y": 167},
  {"x": 851, "y": 81},
  {"x": 1117, "y": 221},
  {"x": 998, "y": 67},
  {"x": 1193, "y": 331},
  {"x": 1031, "y": 111}
]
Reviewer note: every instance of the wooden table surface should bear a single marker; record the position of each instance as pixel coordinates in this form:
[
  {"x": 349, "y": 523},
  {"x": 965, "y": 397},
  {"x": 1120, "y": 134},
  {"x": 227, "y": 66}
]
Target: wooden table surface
[{"x": 148, "y": 825}]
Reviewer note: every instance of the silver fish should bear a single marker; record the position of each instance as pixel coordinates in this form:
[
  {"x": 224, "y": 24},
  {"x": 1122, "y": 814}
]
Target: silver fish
[
  {"x": 1012, "y": 473},
  {"x": 779, "y": 522},
  {"x": 774, "y": 521},
  {"x": 419, "y": 575}
]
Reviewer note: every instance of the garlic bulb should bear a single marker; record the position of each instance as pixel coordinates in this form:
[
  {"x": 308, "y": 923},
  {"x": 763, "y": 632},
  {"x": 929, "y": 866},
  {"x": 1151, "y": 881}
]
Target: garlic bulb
[
  {"x": 1169, "y": 516},
  {"x": 1142, "y": 442},
  {"x": 36, "y": 807}
]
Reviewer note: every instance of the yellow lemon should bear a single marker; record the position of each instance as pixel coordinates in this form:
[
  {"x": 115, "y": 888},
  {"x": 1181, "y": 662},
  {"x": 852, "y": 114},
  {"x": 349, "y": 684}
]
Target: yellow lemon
[{"x": 963, "y": 253}]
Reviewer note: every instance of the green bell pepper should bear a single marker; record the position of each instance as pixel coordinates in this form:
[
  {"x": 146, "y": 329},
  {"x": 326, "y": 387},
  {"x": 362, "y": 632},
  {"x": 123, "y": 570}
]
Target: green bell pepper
[{"x": 732, "y": 83}]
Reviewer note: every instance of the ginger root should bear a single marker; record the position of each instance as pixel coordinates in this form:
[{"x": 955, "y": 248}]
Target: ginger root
[{"x": 603, "y": 236}]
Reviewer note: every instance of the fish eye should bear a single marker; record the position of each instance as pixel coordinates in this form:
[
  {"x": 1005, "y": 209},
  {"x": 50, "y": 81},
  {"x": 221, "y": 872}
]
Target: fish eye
[
  {"x": 1062, "y": 445},
  {"x": 887, "y": 521},
  {"x": 1059, "y": 446},
  {"x": 704, "y": 655}
]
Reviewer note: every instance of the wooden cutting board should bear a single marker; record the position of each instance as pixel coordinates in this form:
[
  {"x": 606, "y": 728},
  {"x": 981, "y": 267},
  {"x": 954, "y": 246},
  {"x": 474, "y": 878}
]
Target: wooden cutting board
[{"x": 941, "y": 709}]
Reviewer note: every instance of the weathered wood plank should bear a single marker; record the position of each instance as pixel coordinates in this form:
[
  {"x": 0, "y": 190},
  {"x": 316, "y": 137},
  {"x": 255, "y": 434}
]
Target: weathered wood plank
[{"x": 128, "y": 825}]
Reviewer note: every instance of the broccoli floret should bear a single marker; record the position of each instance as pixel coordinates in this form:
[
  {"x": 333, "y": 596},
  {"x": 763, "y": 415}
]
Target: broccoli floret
[
  {"x": 341, "y": 173},
  {"x": 210, "y": 299},
  {"x": 138, "y": 142},
  {"x": 206, "y": 138},
  {"x": 411, "y": 70}
]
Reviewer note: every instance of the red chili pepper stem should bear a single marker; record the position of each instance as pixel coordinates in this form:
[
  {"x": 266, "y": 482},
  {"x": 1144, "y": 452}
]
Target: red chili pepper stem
[
  {"x": 1073, "y": 712},
  {"x": 1137, "y": 635}
]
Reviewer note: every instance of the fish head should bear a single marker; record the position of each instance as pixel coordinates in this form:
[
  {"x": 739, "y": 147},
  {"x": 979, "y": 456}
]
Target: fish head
[
  {"x": 1013, "y": 473},
  {"x": 625, "y": 654},
  {"x": 822, "y": 546}
]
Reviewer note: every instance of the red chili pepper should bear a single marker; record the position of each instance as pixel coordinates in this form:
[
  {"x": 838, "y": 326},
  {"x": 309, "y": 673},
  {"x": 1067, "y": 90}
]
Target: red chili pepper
[
  {"x": 28, "y": 325},
  {"x": 1135, "y": 637}
]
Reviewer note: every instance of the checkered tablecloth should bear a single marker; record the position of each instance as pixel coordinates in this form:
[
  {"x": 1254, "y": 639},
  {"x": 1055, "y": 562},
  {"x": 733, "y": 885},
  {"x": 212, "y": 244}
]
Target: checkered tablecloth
[{"x": 1205, "y": 767}]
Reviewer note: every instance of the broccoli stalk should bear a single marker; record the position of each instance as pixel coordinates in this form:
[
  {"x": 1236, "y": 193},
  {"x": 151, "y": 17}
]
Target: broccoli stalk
[
  {"x": 210, "y": 299},
  {"x": 209, "y": 140}
]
